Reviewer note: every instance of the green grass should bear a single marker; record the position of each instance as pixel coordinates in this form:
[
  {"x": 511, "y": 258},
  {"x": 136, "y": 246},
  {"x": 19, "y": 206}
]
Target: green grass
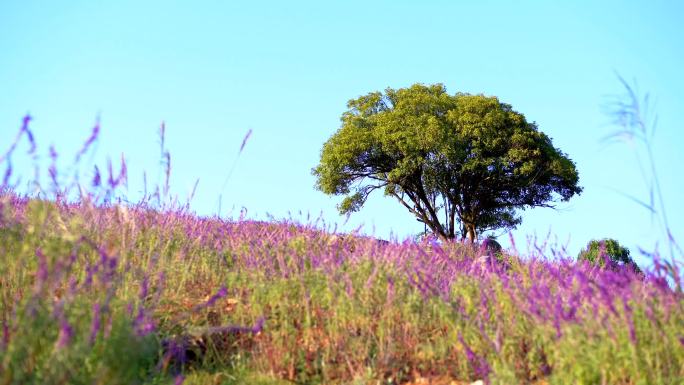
[{"x": 337, "y": 309}]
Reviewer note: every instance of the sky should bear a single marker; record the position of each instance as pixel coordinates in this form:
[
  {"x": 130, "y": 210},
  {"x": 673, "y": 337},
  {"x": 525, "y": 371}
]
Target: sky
[{"x": 213, "y": 70}]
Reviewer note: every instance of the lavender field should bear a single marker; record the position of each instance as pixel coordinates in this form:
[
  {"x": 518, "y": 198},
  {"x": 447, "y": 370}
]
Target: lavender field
[
  {"x": 354, "y": 196},
  {"x": 106, "y": 293},
  {"x": 97, "y": 291}
]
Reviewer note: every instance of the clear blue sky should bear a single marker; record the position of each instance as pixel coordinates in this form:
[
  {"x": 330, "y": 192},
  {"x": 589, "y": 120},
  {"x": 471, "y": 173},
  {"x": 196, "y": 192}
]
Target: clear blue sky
[{"x": 214, "y": 69}]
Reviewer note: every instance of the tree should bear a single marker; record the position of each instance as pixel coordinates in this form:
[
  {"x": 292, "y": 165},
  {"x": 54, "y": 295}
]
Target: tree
[
  {"x": 607, "y": 253},
  {"x": 451, "y": 160},
  {"x": 490, "y": 246}
]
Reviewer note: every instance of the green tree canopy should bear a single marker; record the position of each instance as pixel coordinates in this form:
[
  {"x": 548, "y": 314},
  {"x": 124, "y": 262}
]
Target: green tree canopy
[
  {"x": 451, "y": 160},
  {"x": 607, "y": 253}
]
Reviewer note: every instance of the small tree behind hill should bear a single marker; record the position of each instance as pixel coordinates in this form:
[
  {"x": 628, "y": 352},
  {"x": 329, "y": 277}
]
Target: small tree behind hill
[
  {"x": 462, "y": 164},
  {"x": 607, "y": 253}
]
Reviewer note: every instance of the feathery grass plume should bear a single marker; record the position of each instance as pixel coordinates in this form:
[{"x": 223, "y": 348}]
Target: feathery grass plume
[
  {"x": 232, "y": 169},
  {"x": 164, "y": 160},
  {"x": 632, "y": 112}
]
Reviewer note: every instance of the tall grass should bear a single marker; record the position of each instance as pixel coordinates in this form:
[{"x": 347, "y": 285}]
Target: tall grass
[
  {"x": 633, "y": 115},
  {"x": 95, "y": 291}
]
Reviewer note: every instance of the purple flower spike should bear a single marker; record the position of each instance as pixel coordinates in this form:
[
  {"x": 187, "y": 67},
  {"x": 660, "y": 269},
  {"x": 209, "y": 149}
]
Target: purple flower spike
[
  {"x": 29, "y": 134},
  {"x": 8, "y": 173},
  {"x": 90, "y": 140},
  {"x": 97, "y": 178},
  {"x": 123, "y": 173},
  {"x": 143, "y": 323},
  {"x": 27, "y": 119},
  {"x": 479, "y": 364},
  {"x": 90, "y": 272},
  {"x": 245, "y": 139},
  {"x": 66, "y": 332},
  {"x": 179, "y": 380},
  {"x": 95, "y": 325},
  {"x": 24, "y": 129},
  {"x": 175, "y": 351},
  {"x": 144, "y": 288},
  {"x": 6, "y": 334},
  {"x": 259, "y": 326},
  {"x": 630, "y": 321},
  {"x": 390, "y": 289},
  {"x": 223, "y": 291},
  {"x": 42, "y": 272}
]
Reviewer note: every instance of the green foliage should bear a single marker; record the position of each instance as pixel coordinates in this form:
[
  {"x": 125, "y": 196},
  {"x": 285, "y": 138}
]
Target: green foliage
[
  {"x": 447, "y": 158},
  {"x": 607, "y": 252},
  {"x": 34, "y": 357},
  {"x": 47, "y": 309}
]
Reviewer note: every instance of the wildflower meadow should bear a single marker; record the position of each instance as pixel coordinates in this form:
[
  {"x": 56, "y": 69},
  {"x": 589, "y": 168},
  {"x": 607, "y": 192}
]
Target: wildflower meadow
[{"x": 95, "y": 289}]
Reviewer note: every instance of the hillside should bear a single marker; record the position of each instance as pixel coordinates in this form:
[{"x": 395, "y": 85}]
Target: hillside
[{"x": 98, "y": 293}]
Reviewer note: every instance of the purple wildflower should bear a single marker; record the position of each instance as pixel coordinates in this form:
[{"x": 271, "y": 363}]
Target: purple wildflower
[
  {"x": 371, "y": 277},
  {"x": 5, "y": 333},
  {"x": 43, "y": 269},
  {"x": 97, "y": 179},
  {"x": 66, "y": 332},
  {"x": 630, "y": 321},
  {"x": 8, "y": 173},
  {"x": 95, "y": 324},
  {"x": 484, "y": 307},
  {"x": 348, "y": 285},
  {"x": 109, "y": 264},
  {"x": 144, "y": 288},
  {"x": 390, "y": 289},
  {"x": 244, "y": 140},
  {"x": 479, "y": 364},
  {"x": 179, "y": 380},
  {"x": 52, "y": 169},
  {"x": 222, "y": 292},
  {"x": 259, "y": 326},
  {"x": 108, "y": 327},
  {"x": 123, "y": 172},
  {"x": 24, "y": 128},
  {"x": 175, "y": 350},
  {"x": 90, "y": 140},
  {"x": 29, "y": 134},
  {"x": 90, "y": 272},
  {"x": 143, "y": 323},
  {"x": 235, "y": 329},
  {"x": 110, "y": 180}
]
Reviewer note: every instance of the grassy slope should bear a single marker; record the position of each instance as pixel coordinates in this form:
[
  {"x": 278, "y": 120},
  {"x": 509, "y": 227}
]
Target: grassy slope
[{"x": 130, "y": 295}]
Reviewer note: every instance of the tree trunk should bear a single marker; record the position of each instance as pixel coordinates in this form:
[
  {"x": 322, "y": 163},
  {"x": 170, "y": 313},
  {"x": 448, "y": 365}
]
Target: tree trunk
[
  {"x": 472, "y": 234},
  {"x": 452, "y": 215},
  {"x": 434, "y": 218}
]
